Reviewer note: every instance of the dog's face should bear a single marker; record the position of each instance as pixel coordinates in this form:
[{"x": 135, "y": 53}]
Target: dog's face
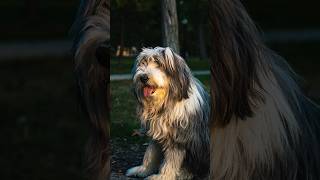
[{"x": 160, "y": 74}]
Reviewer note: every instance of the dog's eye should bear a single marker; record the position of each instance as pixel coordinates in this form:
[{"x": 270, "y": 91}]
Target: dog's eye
[
  {"x": 143, "y": 63},
  {"x": 157, "y": 62}
]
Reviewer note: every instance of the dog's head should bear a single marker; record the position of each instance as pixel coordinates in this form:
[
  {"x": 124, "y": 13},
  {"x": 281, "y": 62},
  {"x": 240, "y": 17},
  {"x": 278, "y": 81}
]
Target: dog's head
[{"x": 160, "y": 74}]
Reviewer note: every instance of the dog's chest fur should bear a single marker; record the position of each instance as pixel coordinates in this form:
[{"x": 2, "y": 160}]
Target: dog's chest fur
[
  {"x": 164, "y": 127},
  {"x": 177, "y": 122}
]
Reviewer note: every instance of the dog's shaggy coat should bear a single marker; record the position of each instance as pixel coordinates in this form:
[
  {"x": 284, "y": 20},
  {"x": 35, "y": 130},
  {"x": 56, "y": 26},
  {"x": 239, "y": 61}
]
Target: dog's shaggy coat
[
  {"x": 91, "y": 54},
  {"x": 262, "y": 126},
  {"x": 174, "y": 109}
]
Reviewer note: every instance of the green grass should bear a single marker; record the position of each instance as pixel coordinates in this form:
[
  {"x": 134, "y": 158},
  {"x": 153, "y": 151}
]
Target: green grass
[{"x": 123, "y": 109}]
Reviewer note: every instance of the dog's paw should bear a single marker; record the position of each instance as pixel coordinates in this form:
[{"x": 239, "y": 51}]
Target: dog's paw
[
  {"x": 154, "y": 177},
  {"x": 138, "y": 171}
]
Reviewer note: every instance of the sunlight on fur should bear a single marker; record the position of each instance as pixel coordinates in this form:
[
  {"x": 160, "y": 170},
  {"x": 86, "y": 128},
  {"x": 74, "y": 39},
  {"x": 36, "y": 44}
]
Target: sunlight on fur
[{"x": 173, "y": 108}]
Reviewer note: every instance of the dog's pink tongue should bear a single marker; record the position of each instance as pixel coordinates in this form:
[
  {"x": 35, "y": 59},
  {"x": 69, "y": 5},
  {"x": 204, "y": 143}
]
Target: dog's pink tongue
[{"x": 147, "y": 91}]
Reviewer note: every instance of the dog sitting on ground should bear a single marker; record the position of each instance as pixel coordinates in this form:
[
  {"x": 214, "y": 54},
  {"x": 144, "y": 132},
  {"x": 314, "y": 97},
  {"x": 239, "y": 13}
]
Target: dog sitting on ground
[{"x": 174, "y": 109}]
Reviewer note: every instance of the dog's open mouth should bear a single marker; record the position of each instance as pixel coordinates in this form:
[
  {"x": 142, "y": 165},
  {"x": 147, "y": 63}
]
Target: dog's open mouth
[{"x": 148, "y": 90}]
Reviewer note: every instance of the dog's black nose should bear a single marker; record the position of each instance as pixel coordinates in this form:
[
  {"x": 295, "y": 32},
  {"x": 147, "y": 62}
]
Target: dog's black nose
[{"x": 144, "y": 78}]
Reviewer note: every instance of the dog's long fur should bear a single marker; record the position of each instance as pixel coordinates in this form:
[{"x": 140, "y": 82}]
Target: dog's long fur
[
  {"x": 175, "y": 117},
  {"x": 262, "y": 126},
  {"x": 91, "y": 53}
]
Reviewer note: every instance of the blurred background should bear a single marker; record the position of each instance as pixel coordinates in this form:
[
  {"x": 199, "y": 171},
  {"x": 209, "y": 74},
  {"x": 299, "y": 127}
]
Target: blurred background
[{"x": 42, "y": 132}]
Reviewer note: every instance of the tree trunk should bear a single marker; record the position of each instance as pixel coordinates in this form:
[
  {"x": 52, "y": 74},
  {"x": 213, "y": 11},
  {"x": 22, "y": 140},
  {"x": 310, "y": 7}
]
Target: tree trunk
[{"x": 170, "y": 30}]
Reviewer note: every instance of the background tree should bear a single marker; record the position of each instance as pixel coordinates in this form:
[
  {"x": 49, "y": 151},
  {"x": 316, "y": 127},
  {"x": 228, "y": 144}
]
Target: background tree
[
  {"x": 141, "y": 26},
  {"x": 170, "y": 27},
  {"x": 193, "y": 27},
  {"x": 136, "y": 23}
]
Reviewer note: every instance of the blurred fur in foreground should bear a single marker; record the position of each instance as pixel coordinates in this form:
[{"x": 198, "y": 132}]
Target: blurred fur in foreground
[
  {"x": 262, "y": 125},
  {"x": 92, "y": 63},
  {"x": 174, "y": 109}
]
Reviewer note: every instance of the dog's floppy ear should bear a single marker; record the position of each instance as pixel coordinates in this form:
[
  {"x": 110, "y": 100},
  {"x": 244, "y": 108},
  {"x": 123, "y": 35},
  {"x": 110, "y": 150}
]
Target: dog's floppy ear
[{"x": 180, "y": 74}]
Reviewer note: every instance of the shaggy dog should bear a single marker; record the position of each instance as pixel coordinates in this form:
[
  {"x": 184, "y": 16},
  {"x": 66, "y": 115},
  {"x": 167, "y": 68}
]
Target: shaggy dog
[
  {"x": 174, "y": 109},
  {"x": 262, "y": 126}
]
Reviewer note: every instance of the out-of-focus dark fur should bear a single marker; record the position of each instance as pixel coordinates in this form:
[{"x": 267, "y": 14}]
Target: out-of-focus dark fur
[
  {"x": 91, "y": 54},
  {"x": 262, "y": 126}
]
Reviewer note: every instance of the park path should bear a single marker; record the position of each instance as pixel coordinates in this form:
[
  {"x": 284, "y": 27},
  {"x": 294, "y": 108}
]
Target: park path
[{"x": 33, "y": 49}]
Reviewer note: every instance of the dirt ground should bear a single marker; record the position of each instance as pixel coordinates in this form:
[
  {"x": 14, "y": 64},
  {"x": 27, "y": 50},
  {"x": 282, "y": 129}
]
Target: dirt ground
[{"x": 125, "y": 157}]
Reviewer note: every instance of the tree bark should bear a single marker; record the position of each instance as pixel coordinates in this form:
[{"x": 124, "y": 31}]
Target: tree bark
[{"x": 170, "y": 27}]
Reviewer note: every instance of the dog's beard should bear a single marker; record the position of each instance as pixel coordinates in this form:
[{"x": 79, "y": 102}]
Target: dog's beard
[{"x": 152, "y": 99}]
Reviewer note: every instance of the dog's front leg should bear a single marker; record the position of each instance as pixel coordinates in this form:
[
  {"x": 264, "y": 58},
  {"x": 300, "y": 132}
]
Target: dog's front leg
[
  {"x": 151, "y": 162},
  {"x": 172, "y": 166}
]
